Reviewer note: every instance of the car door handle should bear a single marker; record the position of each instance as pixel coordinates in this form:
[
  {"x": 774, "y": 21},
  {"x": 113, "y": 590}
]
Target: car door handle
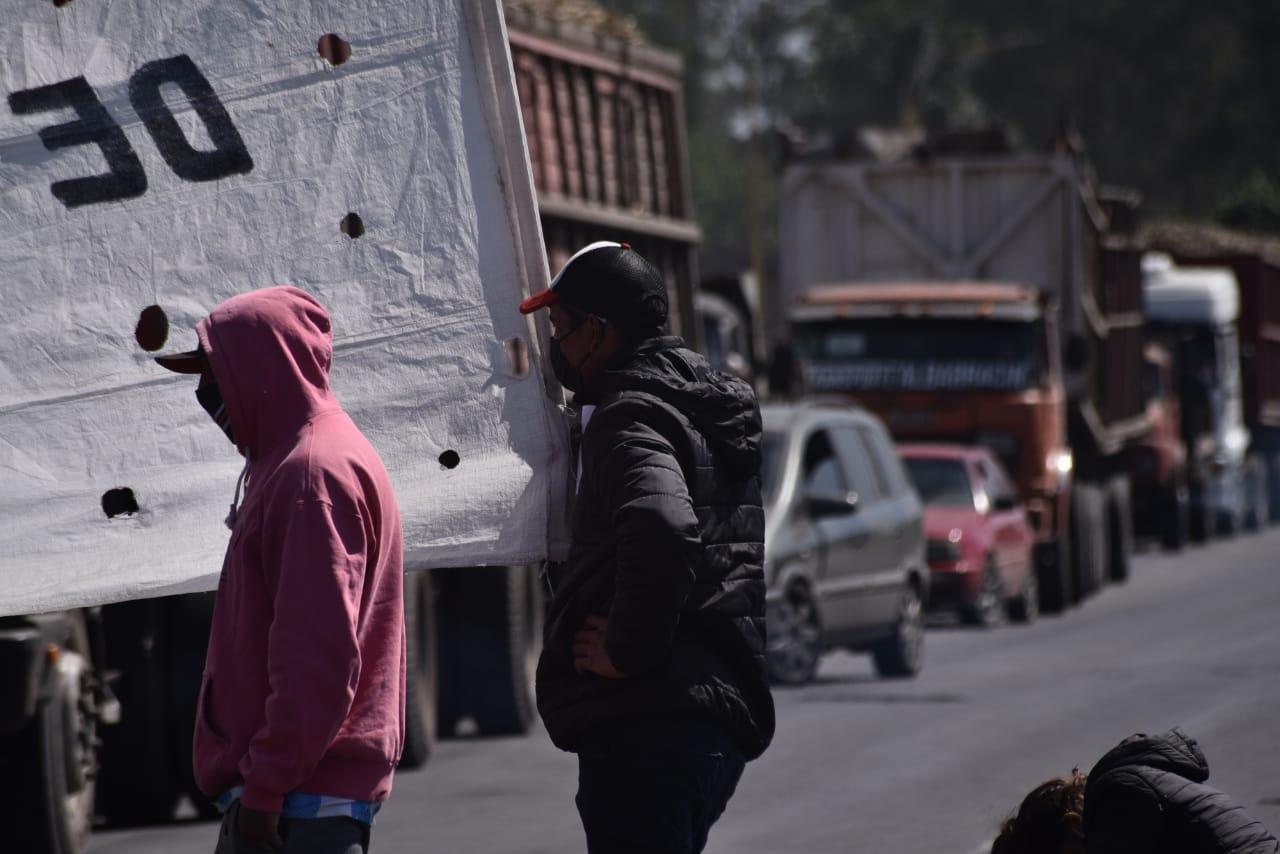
[{"x": 860, "y": 539}]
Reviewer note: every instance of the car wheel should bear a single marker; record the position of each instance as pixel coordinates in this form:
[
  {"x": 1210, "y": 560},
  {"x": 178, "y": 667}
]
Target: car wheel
[
  {"x": 1026, "y": 607},
  {"x": 794, "y": 637},
  {"x": 986, "y": 610},
  {"x": 902, "y": 653}
]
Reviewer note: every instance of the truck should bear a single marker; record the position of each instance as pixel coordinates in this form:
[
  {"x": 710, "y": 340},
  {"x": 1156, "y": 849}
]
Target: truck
[
  {"x": 1254, "y": 261},
  {"x": 983, "y": 299},
  {"x": 154, "y": 162},
  {"x": 1157, "y": 462},
  {"x": 1193, "y": 312},
  {"x": 604, "y": 115}
]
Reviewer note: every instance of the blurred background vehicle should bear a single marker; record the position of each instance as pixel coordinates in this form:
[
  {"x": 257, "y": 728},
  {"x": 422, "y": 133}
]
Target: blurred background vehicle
[
  {"x": 1158, "y": 462},
  {"x": 844, "y": 543},
  {"x": 1193, "y": 311},
  {"x": 968, "y": 293},
  {"x": 1254, "y": 260},
  {"x": 978, "y": 540}
]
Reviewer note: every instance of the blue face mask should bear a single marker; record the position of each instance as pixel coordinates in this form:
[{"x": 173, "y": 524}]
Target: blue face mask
[{"x": 210, "y": 398}]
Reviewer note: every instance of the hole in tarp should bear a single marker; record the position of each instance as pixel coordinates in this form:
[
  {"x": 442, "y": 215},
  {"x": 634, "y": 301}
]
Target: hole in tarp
[
  {"x": 517, "y": 356},
  {"x": 119, "y": 502},
  {"x": 352, "y": 225},
  {"x": 152, "y": 329},
  {"x": 334, "y": 48},
  {"x": 61, "y": 3},
  {"x": 450, "y": 459}
]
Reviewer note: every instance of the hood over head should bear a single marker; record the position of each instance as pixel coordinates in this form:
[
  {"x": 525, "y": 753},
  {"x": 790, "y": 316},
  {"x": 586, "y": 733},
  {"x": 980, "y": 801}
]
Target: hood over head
[
  {"x": 270, "y": 351},
  {"x": 1173, "y": 751},
  {"x": 721, "y": 407}
]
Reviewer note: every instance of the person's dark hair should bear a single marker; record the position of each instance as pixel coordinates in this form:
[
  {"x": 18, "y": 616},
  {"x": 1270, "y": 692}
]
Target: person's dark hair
[{"x": 1048, "y": 818}]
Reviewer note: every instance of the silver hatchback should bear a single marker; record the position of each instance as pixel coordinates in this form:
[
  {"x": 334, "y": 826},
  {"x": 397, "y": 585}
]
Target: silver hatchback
[{"x": 844, "y": 543}]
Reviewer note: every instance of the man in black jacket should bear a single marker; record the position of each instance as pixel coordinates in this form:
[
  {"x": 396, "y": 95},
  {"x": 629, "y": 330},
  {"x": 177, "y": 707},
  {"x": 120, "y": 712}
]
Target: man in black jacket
[
  {"x": 652, "y": 669},
  {"x": 1146, "y": 796}
]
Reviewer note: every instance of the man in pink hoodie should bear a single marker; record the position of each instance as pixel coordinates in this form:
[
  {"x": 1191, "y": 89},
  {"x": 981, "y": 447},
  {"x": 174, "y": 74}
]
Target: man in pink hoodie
[{"x": 301, "y": 710}]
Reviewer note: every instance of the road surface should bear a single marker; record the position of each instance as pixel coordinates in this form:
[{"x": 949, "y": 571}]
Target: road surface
[{"x": 927, "y": 765}]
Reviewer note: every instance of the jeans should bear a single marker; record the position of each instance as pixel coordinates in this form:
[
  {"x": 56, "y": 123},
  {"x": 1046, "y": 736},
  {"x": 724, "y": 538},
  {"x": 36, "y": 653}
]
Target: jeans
[
  {"x": 655, "y": 789},
  {"x": 300, "y": 835}
]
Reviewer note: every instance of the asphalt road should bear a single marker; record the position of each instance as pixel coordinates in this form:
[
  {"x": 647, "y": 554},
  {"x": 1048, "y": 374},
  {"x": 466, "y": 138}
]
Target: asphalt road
[{"x": 927, "y": 765}]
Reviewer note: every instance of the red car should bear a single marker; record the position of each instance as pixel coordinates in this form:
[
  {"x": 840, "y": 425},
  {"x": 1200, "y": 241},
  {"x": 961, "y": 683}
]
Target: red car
[{"x": 979, "y": 540}]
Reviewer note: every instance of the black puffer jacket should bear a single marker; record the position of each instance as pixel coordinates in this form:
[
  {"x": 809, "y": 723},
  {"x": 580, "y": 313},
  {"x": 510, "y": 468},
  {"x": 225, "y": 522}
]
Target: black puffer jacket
[
  {"x": 668, "y": 543},
  {"x": 1148, "y": 795}
]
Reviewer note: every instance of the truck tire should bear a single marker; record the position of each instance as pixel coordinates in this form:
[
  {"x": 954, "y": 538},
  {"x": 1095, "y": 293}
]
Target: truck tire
[
  {"x": 1257, "y": 513},
  {"x": 1273, "y": 487},
  {"x": 190, "y": 619},
  {"x": 1088, "y": 542},
  {"x": 1119, "y": 529},
  {"x": 139, "y": 781},
  {"x": 48, "y": 785},
  {"x": 1202, "y": 516},
  {"x": 420, "y": 665},
  {"x": 1053, "y": 572},
  {"x": 498, "y": 629},
  {"x": 1175, "y": 517}
]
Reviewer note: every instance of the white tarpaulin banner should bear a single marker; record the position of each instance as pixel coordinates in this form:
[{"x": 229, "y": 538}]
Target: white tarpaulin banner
[{"x": 175, "y": 154}]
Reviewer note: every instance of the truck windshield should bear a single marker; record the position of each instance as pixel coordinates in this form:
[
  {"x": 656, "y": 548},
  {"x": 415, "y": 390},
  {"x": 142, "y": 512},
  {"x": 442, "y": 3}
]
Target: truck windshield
[
  {"x": 919, "y": 354},
  {"x": 941, "y": 483}
]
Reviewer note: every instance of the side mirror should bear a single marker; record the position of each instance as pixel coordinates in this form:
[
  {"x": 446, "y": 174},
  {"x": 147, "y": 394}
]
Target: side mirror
[
  {"x": 823, "y": 504},
  {"x": 1004, "y": 503}
]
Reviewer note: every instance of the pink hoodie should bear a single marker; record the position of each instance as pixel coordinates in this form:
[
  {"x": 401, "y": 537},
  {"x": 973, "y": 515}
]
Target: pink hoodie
[{"x": 304, "y": 685}]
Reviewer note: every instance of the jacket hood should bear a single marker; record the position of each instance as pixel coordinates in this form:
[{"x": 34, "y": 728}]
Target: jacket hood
[
  {"x": 721, "y": 407},
  {"x": 270, "y": 351},
  {"x": 1173, "y": 751}
]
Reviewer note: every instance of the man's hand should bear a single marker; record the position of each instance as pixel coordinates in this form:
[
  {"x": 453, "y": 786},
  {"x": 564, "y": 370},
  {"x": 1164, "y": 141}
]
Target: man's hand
[
  {"x": 588, "y": 649},
  {"x": 259, "y": 829}
]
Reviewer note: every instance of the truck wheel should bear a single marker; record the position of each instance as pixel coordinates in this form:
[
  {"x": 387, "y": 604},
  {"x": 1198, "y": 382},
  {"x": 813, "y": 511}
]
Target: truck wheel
[
  {"x": 1053, "y": 572},
  {"x": 420, "y": 667},
  {"x": 1273, "y": 487},
  {"x": 1202, "y": 518},
  {"x": 1119, "y": 529},
  {"x": 139, "y": 779},
  {"x": 902, "y": 653},
  {"x": 46, "y": 796},
  {"x": 1088, "y": 540},
  {"x": 499, "y": 633},
  {"x": 1175, "y": 517},
  {"x": 1256, "y": 511}
]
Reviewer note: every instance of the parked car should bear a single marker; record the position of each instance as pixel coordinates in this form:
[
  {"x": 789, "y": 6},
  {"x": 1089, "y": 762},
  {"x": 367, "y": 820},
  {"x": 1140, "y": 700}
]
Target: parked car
[
  {"x": 844, "y": 543},
  {"x": 979, "y": 541}
]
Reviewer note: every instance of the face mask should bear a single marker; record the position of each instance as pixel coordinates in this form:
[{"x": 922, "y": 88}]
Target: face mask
[
  {"x": 210, "y": 398},
  {"x": 570, "y": 375}
]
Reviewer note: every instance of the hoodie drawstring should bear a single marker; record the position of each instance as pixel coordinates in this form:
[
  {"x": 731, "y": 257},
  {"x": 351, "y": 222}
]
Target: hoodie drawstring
[{"x": 235, "y": 502}]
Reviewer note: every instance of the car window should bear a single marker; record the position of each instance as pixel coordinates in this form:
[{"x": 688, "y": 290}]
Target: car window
[
  {"x": 857, "y": 462},
  {"x": 994, "y": 482},
  {"x": 822, "y": 472},
  {"x": 884, "y": 460},
  {"x": 941, "y": 482}
]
